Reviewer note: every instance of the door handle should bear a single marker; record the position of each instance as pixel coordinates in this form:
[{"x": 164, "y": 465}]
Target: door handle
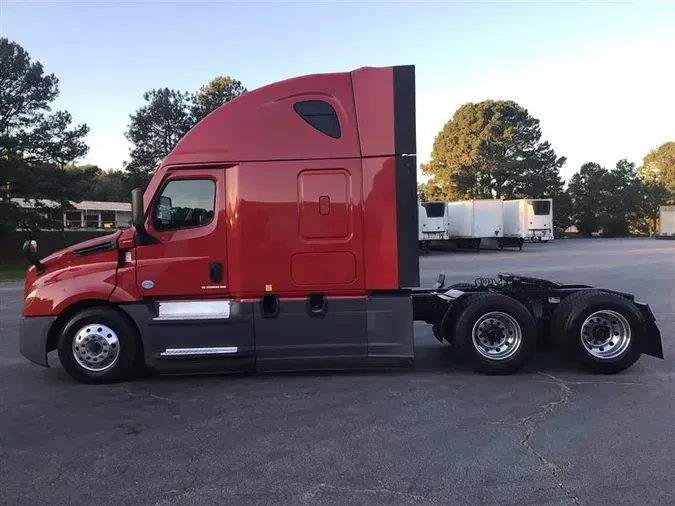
[
  {"x": 324, "y": 205},
  {"x": 216, "y": 272}
]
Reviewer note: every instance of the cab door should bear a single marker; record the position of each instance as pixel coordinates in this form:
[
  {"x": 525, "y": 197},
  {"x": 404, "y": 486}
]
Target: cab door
[{"x": 187, "y": 219}]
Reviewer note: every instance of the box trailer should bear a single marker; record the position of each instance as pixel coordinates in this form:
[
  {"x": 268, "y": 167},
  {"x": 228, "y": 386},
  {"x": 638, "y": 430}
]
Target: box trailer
[
  {"x": 421, "y": 225},
  {"x": 540, "y": 219},
  {"x": 667, "y": 222},
  {"x": 435, "y": 223},
  {"x": 516, "y": 228},
  {"x": 421, "y": 222},
  {"x": 280, "y": 234},
  {"x": 473, "y": 221}
]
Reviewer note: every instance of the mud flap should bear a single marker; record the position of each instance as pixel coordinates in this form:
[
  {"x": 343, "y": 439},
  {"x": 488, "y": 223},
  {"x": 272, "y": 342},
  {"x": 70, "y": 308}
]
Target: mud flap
[{"x": 653, "y": 345}]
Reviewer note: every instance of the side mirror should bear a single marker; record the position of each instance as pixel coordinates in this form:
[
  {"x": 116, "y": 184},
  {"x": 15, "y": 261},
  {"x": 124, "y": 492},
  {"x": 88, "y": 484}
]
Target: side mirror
[
  {"x": 30, "y": 250},
  {"x": 142, "y": 237},
  {"x": 137, "y": 217}
]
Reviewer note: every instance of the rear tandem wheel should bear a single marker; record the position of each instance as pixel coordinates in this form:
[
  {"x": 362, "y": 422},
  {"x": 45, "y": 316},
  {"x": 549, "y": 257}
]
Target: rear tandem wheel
[
  {"x": 495, "y": 333},
  {"x": 602, "y": 331}
]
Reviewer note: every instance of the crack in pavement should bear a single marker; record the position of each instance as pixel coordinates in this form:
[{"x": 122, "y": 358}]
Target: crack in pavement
[
  {"x": 146, "y": 394},
  {"x": 531, "y": 422},
  {"x": 602, "y": 382},
  {"x": 380, "y": 490}
]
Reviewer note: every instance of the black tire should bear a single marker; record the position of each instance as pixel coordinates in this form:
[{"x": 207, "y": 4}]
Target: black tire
[
  {"x": 471, "y": 309},
  {"x": 568, "y": 320},
  {"x": 126, "y": 363},
  {"x": 556, "y": 334}
]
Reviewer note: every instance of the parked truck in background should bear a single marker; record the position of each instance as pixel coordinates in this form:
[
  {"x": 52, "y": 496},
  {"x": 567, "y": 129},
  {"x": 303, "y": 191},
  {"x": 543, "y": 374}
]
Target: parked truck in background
[
  {"x": 280, "y": 234},
  {"x": 667, "y": 222}
]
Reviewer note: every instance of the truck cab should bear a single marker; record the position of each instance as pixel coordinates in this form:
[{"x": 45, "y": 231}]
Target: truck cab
[{"x": 259, "y": 243}]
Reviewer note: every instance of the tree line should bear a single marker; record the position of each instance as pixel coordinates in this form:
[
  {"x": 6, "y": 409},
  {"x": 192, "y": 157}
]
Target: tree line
[
  {"x": 494, "y": 149},
  {"x": 39, "y": 148},
  {"x": 491, "y": 149}
]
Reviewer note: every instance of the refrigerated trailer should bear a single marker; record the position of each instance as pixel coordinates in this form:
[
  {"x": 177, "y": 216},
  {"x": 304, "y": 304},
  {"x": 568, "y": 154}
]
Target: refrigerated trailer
[
  {"x": 471, "y": 222},
  {"x": 421, "y": 225},
  {"x": 528, "y": 219},
  {"x": 435, "y": 222},
  {"x": 540, "y": 219},
  {"x": 516, "y": 221},
  {"x": 667, "y": 222},
  {"x": 280, "y": 233}
]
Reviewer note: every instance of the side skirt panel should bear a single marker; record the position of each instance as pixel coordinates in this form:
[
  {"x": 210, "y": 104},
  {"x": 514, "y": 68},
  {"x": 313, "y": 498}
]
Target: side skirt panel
[
  {"x": 295, "y": 338},
  {"x": 350, "y": 333},
  {"x": 355, "y": 333},
  {"x": 195, "y": 337},
  {"x": 390, "y": 326}
]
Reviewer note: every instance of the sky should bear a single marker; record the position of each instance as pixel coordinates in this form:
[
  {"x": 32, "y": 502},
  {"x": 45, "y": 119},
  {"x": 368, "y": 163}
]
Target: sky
[{"x": 599, "y": 76}]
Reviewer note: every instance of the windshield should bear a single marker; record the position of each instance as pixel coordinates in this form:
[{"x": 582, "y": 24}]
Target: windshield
[{"x": 434, "y": 209}]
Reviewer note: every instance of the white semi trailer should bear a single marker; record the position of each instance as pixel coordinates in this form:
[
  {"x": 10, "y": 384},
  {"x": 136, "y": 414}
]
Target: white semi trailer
[
  {"x": 540, "y": 219},
  {"x": 516, "y": 228},
  {"x": 434, "y": 224},
  {"x": 528, "y": 219},
  {"x": 473, "y": 221},
  {"x": 667, "y": 222}
]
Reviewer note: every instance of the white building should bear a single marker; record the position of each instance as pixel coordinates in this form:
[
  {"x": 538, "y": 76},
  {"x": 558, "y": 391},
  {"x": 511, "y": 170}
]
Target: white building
[{"x": 90, "y": 215}]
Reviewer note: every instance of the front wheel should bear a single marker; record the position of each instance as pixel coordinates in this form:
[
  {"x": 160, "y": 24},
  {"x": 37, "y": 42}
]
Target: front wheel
[
  {"x": 496, "y": 333},
  {"x": 98, "y": 345}
]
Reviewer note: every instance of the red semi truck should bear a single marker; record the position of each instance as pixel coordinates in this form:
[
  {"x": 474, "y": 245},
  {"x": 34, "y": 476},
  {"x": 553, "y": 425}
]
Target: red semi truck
[{"x": 281, "y": 233}]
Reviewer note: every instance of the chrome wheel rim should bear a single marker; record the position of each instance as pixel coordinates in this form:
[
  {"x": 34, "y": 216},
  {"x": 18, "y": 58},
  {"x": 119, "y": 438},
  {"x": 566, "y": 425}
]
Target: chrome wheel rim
[
  {"x": 497, "y": 336},
  {"x": 606, "y": 334},
  {"x": 96, "y": 347}
]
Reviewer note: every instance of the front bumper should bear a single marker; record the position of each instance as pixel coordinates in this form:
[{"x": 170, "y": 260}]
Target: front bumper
[{"x": 33, "y": 334}]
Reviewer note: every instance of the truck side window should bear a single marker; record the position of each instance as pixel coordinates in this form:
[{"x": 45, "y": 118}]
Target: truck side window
[
  {"x": 185, "y": 203},
  {"x": 321, "y": 115}
]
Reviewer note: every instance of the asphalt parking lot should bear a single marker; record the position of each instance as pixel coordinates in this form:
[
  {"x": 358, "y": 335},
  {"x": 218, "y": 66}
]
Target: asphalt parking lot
[{"x": 432, "y": 435}]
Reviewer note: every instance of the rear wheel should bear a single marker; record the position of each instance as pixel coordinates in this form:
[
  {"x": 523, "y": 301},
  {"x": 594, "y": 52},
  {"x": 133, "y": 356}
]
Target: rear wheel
[
  {"x": 496, "y": 333},
  {"x": 99, "y": 345},
  {"x": 602, "y": 331}
]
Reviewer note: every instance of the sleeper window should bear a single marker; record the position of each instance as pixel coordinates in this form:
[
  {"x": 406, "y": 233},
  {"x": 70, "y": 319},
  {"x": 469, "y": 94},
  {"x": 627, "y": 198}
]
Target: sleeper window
[{"x": 320, "y": 115}]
